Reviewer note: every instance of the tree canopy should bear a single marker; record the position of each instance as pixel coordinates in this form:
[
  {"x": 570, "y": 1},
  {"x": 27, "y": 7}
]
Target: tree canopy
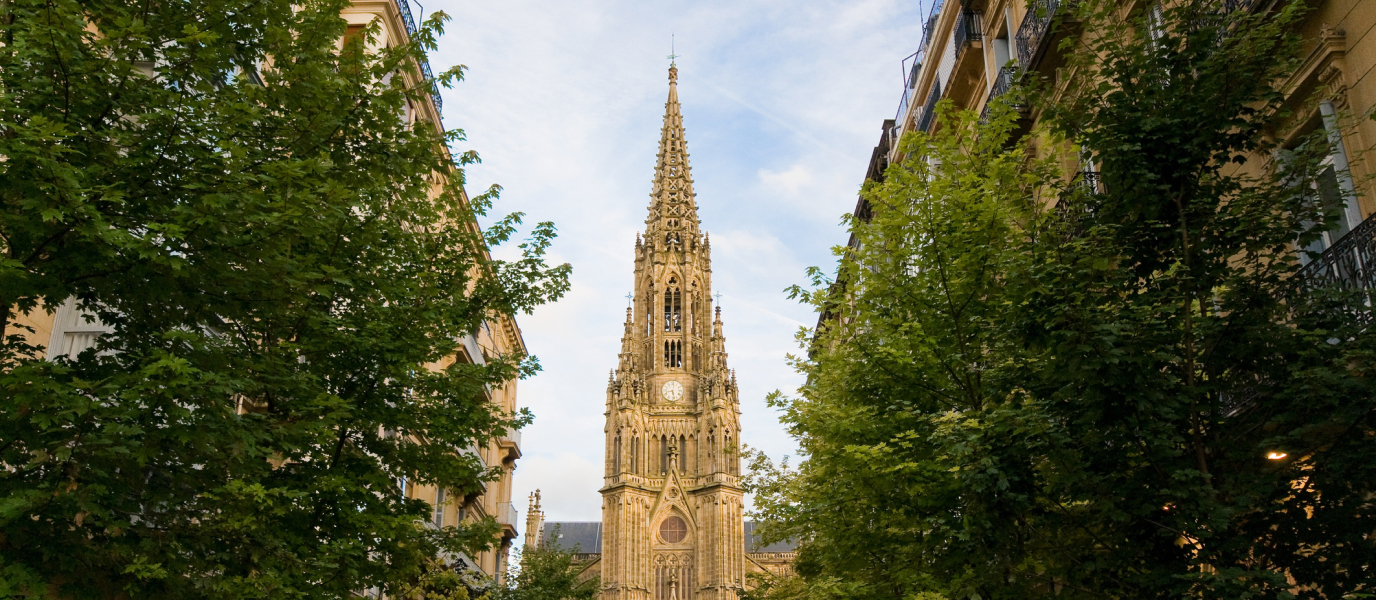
[
  {"x": 241, "y": 194},
  {"x": 547, "y": 572},
  {"x": 1115, "y": 386}
]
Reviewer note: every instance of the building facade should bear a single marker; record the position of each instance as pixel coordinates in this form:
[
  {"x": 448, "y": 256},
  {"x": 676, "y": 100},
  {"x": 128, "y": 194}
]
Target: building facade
[
  {"x": 673, "y": 524},
  {"x": 974, "y": 51},
  {"x": 69, "y": 331}
]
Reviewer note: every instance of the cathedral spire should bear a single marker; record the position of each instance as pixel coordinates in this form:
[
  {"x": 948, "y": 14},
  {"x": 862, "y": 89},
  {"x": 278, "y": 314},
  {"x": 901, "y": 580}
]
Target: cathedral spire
[
  {"x": 672, "y": 496},
  {"x": 673, "y": 207}
]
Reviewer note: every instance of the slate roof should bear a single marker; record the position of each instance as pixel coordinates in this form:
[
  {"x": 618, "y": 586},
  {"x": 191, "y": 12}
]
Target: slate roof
[
  {"x": 752, "y": 542},
  {"x": 586, "y": 537},
  {"x": 577, "y": 536}
]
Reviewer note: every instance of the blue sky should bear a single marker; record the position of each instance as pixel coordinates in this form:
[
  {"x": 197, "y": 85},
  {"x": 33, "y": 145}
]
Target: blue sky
[{"x": 782, "y": 101}]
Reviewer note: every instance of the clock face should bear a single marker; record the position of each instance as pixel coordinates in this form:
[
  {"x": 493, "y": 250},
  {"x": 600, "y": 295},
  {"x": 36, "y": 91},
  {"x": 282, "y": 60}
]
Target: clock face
[{"x": 672, "y": 391}]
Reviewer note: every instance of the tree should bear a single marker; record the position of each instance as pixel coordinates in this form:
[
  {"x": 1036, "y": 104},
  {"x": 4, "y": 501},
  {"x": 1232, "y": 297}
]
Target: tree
[
  {"x": 1020, "y": 401},
  {"x": 287, "y": 262},
  {"x": 547, "y": 572}
]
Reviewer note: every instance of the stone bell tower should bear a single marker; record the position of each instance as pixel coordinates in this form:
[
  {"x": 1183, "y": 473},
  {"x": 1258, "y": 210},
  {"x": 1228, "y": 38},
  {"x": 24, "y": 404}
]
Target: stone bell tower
[{"x": 671, "y": 500}]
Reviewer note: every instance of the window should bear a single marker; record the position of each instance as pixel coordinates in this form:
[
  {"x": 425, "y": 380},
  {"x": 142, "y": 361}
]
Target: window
[
  {"x": 438, "y": 516},
  {"x": 1156, "y": 24},
  {"x": 672, "y": 530},
  {"x": 616, "y": 455},
  {"x": 673, "y": 354},
  {"x": 663, "y": 454},
  {"x": 1334, "y": 187},
  {"x": 673, "y": 308}
]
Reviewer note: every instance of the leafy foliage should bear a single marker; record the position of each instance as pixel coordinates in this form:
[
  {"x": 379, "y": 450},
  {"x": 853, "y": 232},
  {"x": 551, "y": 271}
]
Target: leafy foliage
[
  {"x": 287, "y": 261},
  {"x": 1020, "y": 401},
  {"x": 547, "y": 572}
]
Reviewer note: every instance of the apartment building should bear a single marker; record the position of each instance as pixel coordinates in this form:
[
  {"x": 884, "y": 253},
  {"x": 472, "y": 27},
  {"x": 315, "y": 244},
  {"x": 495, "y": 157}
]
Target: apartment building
[
  {"x": 69, "y": 331},
  {"x": 973, "y": 51},
  {"x": 499, "y": 335}
]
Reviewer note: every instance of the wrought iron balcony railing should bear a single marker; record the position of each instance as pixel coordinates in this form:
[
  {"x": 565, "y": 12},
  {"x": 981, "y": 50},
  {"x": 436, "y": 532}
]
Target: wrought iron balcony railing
[
  {"x": 1035, "y": 29},
  {"x": 911, "y": 72},
  {"x": 1003, "y": 82},
  {"x": 969, "y": 28},
  {"x": 1349, "y": 264},
  {"x": 929, "y": 110},
  {"x": 1091, "y": 181},
  {"x": 404, "y": 7}
]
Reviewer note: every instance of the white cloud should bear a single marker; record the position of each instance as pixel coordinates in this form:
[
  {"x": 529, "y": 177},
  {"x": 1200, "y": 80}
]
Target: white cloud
[
  {"x": 568, "y": 480},
  {"x": 783, "y": 101},
  {"x": 790, "y": 181}
]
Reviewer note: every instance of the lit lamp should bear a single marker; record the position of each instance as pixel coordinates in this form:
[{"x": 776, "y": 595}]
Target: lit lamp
[{"x": 1276, "y": 455}]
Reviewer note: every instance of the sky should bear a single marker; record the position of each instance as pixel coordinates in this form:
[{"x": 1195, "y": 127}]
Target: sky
[{"x": 783, "y": 102}]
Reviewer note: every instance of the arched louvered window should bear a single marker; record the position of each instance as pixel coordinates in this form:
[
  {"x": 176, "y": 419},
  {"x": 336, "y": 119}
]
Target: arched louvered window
[
  {"x": 729, "y": 453},
  {"x": 649, "y": 313},
  {"x": 673, "y": 308},
  {"x": 673, "y": 354},
  {"x": 616, "y": 456}
]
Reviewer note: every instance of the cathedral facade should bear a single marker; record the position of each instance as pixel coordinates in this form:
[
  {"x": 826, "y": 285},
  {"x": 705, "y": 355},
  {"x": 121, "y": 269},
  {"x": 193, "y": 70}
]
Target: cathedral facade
[{"x": 673, "y": 523}]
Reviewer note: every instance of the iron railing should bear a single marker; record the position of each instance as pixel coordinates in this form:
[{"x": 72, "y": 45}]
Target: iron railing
[
  {"x": 930, "y": 25},
  {"x": 404, "y": 7},
  {"x": 969, "y": 28},
  {"x": 1035, "y": 30},
  {"x": 929, "y": 110},
  {"x": 1091, "y": 181},
  {"x": 1071, "y": 211},
  {"x": 1003, "y": 82},
  {"x": 1349, "y": 264},
  {"x": 1232, "y": 6},
  {"x": 909, "y": 82}
]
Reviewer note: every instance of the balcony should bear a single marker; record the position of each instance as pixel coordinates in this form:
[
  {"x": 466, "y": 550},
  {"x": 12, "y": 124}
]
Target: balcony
[
  {"x": 404, "y": 7},
  {"x": 967, "y": 76},
  {"x": 1347, "y": 264},
  {"x": 1035, "y": 33},
  {"x": 1003, "y": 83},
  {"x": 912, "y": 67},
  {"x": 511, "y": 443},
  {"x": 924, "y": 122},
  {"x": 969, "y": 28},
  {"x": 506, "y": 515},
  {"x": 1071, "y": 211}
]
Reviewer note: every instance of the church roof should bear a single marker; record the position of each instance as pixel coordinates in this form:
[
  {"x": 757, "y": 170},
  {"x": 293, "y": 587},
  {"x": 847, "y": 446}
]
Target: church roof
[
  {"x": 575, "y": 536},
  {"x": 753, "y": 543},
  {"x": 586, "y": 537}
]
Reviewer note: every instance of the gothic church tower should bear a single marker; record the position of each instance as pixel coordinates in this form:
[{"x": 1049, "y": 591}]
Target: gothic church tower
[{"x": 671, "y": 504}]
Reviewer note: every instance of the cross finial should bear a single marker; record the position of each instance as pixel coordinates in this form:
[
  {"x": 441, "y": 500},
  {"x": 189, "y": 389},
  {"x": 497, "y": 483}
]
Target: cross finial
[
  {"x": 718, "y": 298},
  {"x": 672, "y": 54},
  {"x": 629, "y": 296}
]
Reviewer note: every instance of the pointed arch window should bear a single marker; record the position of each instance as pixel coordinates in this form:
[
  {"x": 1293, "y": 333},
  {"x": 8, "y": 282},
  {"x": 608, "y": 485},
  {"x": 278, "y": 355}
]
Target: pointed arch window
[
  {"x": 711, "y": 451},
  {"x": 649, "y": 313},
  {"x": 663, "y": 455},
  {"x": 616, "y": 455},
  {"x": 673, "y": 307},
  {"x": 729, "y": 454},
  {"x": 673, "y": 354}
]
